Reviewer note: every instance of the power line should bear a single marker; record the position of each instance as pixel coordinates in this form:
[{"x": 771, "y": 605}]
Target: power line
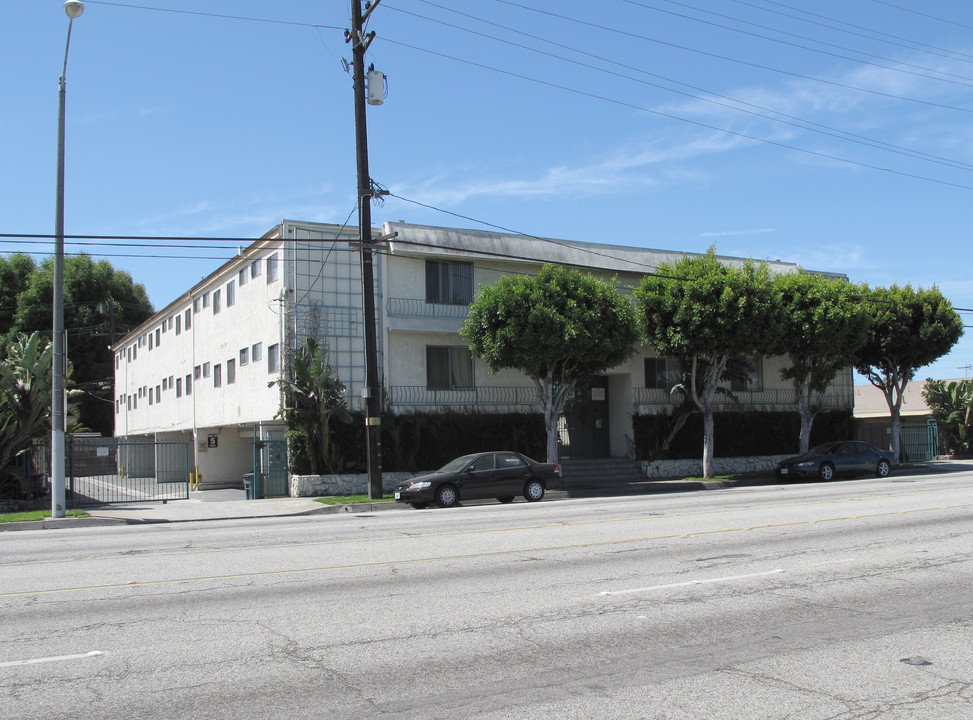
[
  {"x": 678, "y": 118},
  {"x": 221, "y": 16},
  {"x": 800, "y": 123}
]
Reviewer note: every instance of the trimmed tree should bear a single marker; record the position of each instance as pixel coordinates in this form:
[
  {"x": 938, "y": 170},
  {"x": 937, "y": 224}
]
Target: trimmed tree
[
  {"x": 909, "y": 330},
  {"x": 559, "y": 328},
  {"x": 823, "y": 325},
  {"x": 952, "y": 406},
  {"x": 710, "y": 313}
]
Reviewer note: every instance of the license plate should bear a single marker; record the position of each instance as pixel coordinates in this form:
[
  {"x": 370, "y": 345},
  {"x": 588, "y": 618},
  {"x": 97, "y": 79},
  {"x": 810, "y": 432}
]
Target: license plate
[
  {"x": 396, "y": 496},
  {"x": 783, "y": 471}
]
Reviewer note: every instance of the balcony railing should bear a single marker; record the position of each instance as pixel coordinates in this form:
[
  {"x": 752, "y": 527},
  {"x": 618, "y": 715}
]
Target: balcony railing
[
  {"x": 415, "y": 307},
  {"x": 776, "y": 399},
  {"x": 521, "y": 398}
]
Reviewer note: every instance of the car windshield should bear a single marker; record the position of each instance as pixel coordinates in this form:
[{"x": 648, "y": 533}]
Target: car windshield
[
  {"x": 826, "y": 449},
  {"x": 456, "y": 465}
]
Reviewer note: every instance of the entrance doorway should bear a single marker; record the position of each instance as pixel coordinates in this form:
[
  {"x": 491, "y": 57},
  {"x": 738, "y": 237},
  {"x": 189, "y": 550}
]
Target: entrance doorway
[{"x": 589, "y": 434}]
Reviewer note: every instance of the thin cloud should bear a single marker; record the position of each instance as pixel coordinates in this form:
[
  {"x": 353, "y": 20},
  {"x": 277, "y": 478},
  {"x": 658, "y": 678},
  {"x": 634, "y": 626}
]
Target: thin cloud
[{"x": 731, "y": 233}]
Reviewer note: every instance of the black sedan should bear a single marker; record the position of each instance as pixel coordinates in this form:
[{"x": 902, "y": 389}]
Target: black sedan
[
  {"x": 499, "y": 474},
  {"x": 846, "y": 458}
]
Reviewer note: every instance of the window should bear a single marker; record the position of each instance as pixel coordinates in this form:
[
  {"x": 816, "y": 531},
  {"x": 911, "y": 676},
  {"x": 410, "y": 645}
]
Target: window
[
  {"x": 165, "y": 384},
  {"x": 135, "y": 352},
  {"x": 244, "y": 356},
  {"x": 448, "y": 367},
  {"x": 170, "y": 322},
  {"x": 205, "y": 300},
  {"x": 745, "y": 374},
  {"x": 230, "y": 371},
  {"x": 158, "y": 395},
  {"x": 195, "y": 306},
  {"x": 189, "y": 384},
  {"x": 257, "y": 351},
  {"x": 178, "y": 324},
  {"x": 273, "y": 358},
  {"x": 449, "y": 283},
  {"x": 255, "y": 269},
  {"x": 158, "y": 338},
  {"x": 272, "y": 268},
  {"x": 150, "y": 341},
  {"x": 217, "y": 375},
  {"x": 663, "y": 373},
  {"x": 178, "y": 387},
  {"x": 197, "y": 372},
  {"x": 189, "y": 318},
  {"x": 216, "y": 301},
  {"x": 170, "y": 383},
  {"x": 244, "y": 276},
  {"x": 206, "y": 370},
  {"x": 231, "y": 293}
]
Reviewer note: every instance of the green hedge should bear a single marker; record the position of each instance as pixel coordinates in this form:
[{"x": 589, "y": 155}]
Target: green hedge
[
  {"x": 428, "y": 440},
  {"x": 738, "y": 434}
]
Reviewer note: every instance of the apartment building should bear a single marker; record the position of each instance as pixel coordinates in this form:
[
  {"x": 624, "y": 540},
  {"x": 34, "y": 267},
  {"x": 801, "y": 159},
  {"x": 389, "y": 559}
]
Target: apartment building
[{"x": 202, "y": 368}]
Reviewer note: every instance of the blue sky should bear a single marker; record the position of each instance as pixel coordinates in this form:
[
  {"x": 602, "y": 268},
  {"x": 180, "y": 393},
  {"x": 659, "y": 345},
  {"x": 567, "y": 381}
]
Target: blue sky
[{"x": 834, "y": 134}]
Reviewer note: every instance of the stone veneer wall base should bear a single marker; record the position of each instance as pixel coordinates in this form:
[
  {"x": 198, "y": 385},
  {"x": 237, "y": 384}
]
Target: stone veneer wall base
[{"x": 722, "y": 466}]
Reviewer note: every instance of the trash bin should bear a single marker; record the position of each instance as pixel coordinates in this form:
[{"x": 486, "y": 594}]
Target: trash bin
[{"x": 248, "y": 485}]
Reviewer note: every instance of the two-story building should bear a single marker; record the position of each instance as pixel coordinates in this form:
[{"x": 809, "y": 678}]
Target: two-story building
[{"x": 203, "y": 367}]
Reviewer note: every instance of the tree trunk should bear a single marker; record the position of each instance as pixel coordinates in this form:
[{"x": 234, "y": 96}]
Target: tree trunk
[
  {"x": 708, "y": 440},
  {"x": 552, "y": 405},
  {"x": 805, "y": 412}
]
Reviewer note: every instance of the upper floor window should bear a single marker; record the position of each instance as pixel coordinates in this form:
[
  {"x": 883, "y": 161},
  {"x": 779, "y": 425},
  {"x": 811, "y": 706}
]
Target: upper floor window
[
  {"x": 255, "y": 269},
  {"x": 230, "y": 371},
  {"x": 217, "y": 375},
  {"x": 189, "y": 318},
  {"x": 231, "y": 293},
  {"x": 178, "y": 324},
  {"x": 663, "y": 373},
  {"x": 745, "y": 374},
  {"x": 195, "y": 305},
  {"x": 272, "y": 268},
  {"x": 244, "y": 356},
  {"x": 244, "y": 275},
  {"x": 257, "y": 351},
  {"x": 448, "y": 367},
  {"x": 216, "y": 301},
  {"x": 449, "y": 283},
  {"x": 273, "y": 358}
]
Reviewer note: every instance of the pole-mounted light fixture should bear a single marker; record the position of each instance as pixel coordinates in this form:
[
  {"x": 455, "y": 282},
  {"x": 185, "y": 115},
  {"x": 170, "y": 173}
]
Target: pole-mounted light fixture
[{"x": 73, "y": 9}]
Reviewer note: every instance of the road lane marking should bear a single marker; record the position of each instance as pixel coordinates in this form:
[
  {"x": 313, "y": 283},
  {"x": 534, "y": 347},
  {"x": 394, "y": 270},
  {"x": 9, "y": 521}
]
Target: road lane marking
[
  {"x": 59, "y": 658},
  {"x": 690, "y": 583}
]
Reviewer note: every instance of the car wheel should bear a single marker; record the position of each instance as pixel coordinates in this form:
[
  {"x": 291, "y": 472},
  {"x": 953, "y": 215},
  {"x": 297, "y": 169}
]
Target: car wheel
[
  {"x": 533, "y": 490},
  {"x": 446, "y": 496},
  {"x": 826, "y": 472},
  {"x": 883, "y": 469},
  {"x": 419, "y": 506},
  {"x": 506, "y": 499}
]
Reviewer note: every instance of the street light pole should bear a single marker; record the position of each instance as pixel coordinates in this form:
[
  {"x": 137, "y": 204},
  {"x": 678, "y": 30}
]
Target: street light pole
[{"x": 73, "y": 9}]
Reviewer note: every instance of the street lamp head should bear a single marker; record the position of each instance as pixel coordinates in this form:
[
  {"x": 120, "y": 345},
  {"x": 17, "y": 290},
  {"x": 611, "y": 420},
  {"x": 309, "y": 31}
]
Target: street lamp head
[{"x": 73, "y": 9}]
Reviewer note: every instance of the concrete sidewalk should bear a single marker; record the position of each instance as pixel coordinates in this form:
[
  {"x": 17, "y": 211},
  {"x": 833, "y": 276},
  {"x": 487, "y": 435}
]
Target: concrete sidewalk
[
  {"x": 201, "y": 505},
  {"x": 232, "y": 504}
]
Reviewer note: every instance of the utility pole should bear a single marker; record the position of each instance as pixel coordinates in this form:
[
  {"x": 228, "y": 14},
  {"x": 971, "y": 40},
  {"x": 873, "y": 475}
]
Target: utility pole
[{"x": 373, "y": 415}]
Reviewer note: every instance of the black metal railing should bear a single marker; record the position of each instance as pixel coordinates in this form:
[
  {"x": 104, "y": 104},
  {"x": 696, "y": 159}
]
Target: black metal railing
[
  {"x": 416, "y": 307},
  {"x": 779, "y": 398},
  {"x": 486, "y": 396}
]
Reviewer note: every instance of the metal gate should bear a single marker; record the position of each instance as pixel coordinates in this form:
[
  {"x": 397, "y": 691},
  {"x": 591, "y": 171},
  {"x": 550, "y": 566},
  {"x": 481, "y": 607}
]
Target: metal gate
[
  {"x": 919, "y": 442},
  {"x": 113, "y": 470},
  {"x": 270, "y": 468}
]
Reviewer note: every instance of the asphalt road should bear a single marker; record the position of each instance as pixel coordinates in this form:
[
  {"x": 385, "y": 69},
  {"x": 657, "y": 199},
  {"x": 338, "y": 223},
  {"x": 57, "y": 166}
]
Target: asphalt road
[{"x": 847, "y": 600}]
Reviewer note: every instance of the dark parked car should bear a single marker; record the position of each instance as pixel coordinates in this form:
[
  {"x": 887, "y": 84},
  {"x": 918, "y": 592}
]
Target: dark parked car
[
  {"x": 844, "y": 458},
  {"x": 498, "y": 474}
]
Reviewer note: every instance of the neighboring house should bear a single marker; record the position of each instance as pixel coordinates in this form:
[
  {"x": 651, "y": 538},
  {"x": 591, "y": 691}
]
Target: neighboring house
[
  {"x": 200, "y": 368},
  {"x": 920, "y": 439}
]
